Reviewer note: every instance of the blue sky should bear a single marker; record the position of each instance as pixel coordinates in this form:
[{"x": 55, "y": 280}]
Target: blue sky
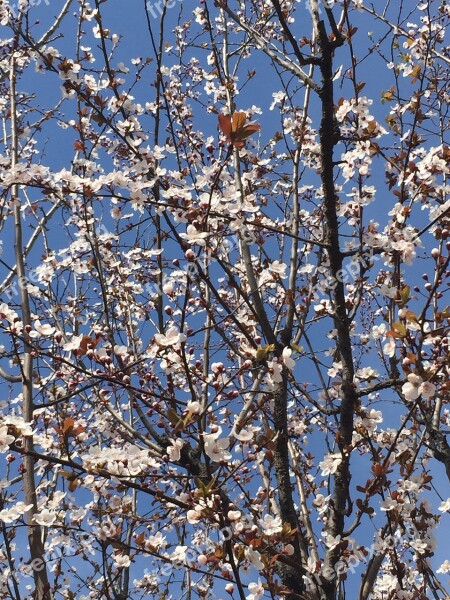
[{"x": 126, "y": 18}]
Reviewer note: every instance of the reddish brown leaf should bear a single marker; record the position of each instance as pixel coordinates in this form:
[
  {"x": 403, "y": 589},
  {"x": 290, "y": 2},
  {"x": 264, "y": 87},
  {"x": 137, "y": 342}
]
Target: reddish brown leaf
[
  {"x": 235, "y": 129},
  {"x": 225, "y": 125},
  {"x": 86, "y": 344},
  {"x": 246, "y": 131},
  {"x": 238, "y": 121},
  {"x": 73, "y": 485},
  {"x": 68, "y": 424}
]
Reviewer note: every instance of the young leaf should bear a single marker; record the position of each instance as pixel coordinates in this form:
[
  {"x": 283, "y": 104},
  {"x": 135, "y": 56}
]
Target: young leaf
[{"x": 235, "y": 129}]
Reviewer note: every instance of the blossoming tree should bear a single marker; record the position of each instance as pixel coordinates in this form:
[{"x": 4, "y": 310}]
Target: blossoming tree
[{"x": 224, "y": 330}]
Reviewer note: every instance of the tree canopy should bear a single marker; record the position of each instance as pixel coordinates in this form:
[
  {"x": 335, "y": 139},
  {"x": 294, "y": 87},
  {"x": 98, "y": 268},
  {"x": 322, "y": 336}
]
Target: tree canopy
[{"x": 224, "y": 317}]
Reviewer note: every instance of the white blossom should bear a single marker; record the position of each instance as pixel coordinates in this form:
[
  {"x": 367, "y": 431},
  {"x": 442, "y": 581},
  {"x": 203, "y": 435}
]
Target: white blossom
[
  {"x": 254, "y": 558},
  {"x": 271, "y": 525},
  {"x": 445, "y": 505},
  {"x": 256, "y": 590},
  {"x": 5, "y": 439},
  {"x": 44, "y": 328},
  {"x": 289, "y": 362},
  {"x": 410, "y": 389},
  {"x": 121, "y": 560},
  {"x": 215, "y": 447},
  {"x": 174, "y": 451},
  {"x": 46, "y": 517},
  {"x": 194, "y": 236},
  {"x": 172, "y": 337},
  {"x": 444, "y": 568},
  {"x": 330, "y": 464}
]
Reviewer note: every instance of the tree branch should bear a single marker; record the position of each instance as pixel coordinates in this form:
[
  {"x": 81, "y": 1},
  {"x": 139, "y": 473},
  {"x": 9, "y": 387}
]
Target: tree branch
[
  {"x": 10, "y": 378},
  {"x": 35, "y": 537},
  {"x": 263, "y": 45}
]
